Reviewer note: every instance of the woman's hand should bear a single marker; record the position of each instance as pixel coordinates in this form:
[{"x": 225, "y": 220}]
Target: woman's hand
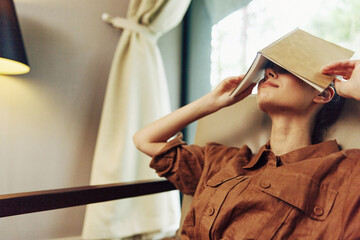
[
  {"x": 350, "y": 70},
  {"x": 220, "y": 96}
]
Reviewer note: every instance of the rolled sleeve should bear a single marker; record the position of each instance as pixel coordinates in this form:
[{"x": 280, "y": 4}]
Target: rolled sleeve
[
  {"x": 163, "y": 161},
  {"x": 181, "y": 164}
]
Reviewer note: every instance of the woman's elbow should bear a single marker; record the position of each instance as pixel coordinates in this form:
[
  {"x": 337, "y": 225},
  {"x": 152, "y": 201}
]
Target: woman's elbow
[
  {"x": 146, "y": 146},
  {"x": 142, "y": 144},
  {"x": 138, "y": 141}
]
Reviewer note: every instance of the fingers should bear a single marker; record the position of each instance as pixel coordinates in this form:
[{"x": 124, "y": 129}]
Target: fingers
[
  {"x": 340, "y": 65},
  {"x": 350, "y": 70},
  {"x": 246, "y": 92},
  {"x": 342, "y": 88},
  {"x": 343, "y": 68},
  {"x": 235, "y": 80},
  {"x": 228, "y": 84}
]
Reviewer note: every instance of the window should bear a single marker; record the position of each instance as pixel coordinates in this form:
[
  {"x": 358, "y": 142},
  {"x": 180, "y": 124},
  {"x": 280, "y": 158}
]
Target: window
[{"x": 237, "y": 38}]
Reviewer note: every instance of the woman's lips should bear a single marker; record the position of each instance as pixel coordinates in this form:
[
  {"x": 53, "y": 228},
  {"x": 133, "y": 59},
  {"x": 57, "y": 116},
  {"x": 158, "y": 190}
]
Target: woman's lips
[{"x": 269, "y": 84}]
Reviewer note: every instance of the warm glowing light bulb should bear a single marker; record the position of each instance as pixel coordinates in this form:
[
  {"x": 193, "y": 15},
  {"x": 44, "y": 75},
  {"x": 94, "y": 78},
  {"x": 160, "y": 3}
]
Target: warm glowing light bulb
[{"x": 11, "y": 67}]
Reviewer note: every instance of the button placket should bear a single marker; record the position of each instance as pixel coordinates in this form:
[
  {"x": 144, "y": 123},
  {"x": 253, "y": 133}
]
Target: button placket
[{"x": 272, "y": 160}]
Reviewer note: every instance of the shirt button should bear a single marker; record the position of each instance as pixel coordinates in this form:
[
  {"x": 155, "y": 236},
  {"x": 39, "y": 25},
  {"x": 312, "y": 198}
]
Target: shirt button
[
  {"x": 265, "y": 184},
  {"x": 319, "y": 211},
  {"x": 210, "y": 211}
]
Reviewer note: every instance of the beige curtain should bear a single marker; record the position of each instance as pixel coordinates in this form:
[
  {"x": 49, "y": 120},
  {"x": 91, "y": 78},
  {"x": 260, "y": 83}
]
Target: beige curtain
[{"x": 136, "y": 95}]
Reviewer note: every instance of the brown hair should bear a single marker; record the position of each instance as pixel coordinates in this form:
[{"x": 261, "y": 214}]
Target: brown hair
[{"x": 327, "y": 116}]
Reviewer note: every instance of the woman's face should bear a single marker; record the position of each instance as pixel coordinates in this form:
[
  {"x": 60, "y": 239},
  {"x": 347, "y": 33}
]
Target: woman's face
[{"x": 283, "y": 91}]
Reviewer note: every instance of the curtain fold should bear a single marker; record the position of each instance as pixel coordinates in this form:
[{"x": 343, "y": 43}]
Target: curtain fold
[
  {"x": 220, "y": 9},
  {"x": 136, "y": 95}
]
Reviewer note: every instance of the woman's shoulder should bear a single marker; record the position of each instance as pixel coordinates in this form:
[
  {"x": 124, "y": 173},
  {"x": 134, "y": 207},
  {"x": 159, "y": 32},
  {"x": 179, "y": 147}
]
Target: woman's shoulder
[
  {"x": 350, "y": 159},
  {"x": 353, "y": 153},
  {"x": 219, "y": 155}
]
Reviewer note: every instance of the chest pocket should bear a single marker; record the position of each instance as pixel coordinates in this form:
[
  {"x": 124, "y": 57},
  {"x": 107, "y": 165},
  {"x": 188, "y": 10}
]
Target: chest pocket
[{"x": 300, "y": 191}]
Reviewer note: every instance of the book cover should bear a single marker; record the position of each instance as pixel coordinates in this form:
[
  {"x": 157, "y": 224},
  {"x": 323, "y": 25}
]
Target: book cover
[{"x": 300, "y": 53}]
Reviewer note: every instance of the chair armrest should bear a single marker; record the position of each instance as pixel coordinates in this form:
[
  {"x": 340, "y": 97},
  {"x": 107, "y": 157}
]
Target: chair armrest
[{"x": 28, "y": 202}]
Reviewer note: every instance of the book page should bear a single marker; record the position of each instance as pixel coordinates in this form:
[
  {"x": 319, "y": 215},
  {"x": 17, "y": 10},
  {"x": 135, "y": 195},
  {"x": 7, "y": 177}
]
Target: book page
[{"x": 254, "y": 74}]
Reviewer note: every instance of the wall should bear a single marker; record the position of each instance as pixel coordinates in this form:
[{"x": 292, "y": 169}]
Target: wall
[{"x": 49, "y": 117}]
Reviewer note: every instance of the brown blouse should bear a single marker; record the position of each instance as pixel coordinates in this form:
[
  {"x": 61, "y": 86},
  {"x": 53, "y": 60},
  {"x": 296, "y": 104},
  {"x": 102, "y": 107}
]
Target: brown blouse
[{"x": 309, "y": 193}]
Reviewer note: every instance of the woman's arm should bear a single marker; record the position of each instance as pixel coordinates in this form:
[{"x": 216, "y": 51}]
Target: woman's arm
[
  {"x": 350, "y": 70},
  {"x": 153, "y": 137}
]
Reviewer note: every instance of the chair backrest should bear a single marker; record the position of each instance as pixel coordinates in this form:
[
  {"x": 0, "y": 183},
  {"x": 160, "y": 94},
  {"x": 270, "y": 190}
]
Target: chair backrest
[
  {"x": 239, "y": 124},
  {"x": 243, "y": 123}
]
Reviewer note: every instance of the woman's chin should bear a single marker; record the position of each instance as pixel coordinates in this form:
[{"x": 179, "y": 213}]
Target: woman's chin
[
  {"x": 263, "y": 104},
  {"x": 267, "y": 103},
  {"x": 264, "y": 100}
]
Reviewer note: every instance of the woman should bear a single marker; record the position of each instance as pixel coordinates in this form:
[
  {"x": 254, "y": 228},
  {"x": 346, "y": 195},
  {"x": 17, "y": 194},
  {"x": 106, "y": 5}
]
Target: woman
[{"x": 290, "y": 189}]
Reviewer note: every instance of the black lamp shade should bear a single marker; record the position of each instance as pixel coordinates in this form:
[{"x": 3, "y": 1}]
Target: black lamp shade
[{"x": 13, "y": 58}]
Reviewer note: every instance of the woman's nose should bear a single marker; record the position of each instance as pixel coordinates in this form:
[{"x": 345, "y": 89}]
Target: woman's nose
[{"x": 270, "y": 73}]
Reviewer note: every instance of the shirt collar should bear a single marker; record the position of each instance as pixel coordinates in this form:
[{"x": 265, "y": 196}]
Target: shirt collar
[
  {"x": 255, "y": 159},
  {"x": 312, "y": 151}
]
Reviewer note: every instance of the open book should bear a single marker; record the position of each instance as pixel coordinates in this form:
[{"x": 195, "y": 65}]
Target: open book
[{"x": 300, "y": 53}]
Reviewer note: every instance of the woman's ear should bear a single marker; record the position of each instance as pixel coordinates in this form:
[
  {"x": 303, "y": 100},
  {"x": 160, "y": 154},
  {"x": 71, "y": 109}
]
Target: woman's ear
[{"x": 325, "y": 96}]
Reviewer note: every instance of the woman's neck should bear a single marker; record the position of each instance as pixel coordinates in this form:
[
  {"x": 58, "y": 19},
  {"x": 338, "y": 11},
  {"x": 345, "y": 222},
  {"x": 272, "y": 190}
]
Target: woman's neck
[{"x": 289, "y": 133}]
